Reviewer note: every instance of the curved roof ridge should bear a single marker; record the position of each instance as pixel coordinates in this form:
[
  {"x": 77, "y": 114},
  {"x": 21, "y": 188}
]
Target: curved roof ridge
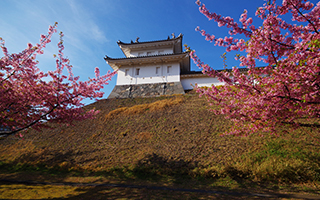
[{"x": 133, "y": 43}]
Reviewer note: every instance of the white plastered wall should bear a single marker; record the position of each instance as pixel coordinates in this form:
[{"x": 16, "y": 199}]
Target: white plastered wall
[
  {"x": 151, "y": 52},
  {"x": 189, "y": 83},
  {"x": 127, "y": 75}
]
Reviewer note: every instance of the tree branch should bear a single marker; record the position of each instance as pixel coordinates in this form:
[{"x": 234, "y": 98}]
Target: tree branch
[
  {"x": 298, "y": 100},
  {"x": 29, "y": 125},
  {"x": 314, "y": 27}
]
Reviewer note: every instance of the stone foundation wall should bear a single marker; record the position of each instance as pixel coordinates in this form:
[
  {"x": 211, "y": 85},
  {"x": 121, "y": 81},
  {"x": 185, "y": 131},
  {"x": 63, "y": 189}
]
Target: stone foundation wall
[{"x": 146, "y": 90}]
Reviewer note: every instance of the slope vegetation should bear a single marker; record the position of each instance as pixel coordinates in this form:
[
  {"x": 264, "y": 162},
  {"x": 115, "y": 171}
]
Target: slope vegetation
[{"x": 166, "y": 139}]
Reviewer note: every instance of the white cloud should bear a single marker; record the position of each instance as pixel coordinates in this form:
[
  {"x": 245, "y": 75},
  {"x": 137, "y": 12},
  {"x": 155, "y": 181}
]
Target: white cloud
[{"x": 83, "y": 23}]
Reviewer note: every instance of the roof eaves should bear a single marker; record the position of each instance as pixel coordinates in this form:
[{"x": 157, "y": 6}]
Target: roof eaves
[
  {"x": 161, "y": 55},
  {"x": 135, "y": 43},
  {"x": 219, "y": 70}
]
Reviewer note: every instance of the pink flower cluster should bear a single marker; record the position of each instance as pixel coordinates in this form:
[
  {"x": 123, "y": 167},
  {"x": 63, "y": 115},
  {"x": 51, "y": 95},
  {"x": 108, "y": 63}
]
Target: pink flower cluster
[
  {"x": 27, "y": 100},
  {"x": 287, "y": 88}
]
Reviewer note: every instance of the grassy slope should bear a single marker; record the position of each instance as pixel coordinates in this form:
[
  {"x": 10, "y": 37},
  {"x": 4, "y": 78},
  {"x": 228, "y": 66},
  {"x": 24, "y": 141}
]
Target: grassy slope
[{"x": 160, "y": 143}]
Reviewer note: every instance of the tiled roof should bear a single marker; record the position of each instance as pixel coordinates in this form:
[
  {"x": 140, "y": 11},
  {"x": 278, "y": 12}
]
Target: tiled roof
[
  {"x": 107, "y": 58},
  {"x": 219, "y": 70},
  {"x": 116, "y": 62},
  {"x": 133, "y": 43}
]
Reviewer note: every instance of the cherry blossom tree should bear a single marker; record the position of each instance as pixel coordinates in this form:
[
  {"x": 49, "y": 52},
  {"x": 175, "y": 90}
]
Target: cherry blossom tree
[
  {"x": 286, "y": 88},
  {"x": 30, "y": 97}
]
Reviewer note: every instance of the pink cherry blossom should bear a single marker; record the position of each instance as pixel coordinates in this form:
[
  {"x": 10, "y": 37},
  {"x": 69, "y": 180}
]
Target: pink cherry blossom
[
  {"x": 27, "y": 100},
  {"x": 286, "y": 88}
]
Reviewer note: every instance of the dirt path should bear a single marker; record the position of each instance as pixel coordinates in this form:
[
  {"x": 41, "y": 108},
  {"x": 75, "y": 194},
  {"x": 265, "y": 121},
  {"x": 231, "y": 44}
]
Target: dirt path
[{"x": 217, "y": 193}]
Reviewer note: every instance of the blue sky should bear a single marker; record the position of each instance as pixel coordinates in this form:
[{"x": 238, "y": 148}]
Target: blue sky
[{"x": 92, "y": 28}]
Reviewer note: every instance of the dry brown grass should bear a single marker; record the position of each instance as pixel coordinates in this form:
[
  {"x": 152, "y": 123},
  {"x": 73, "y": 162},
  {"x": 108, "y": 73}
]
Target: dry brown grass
[
  {"x": 140, "y": 109},
  {"x": 21, "y": 191},
  {"x": 164, "y": 140},
  {"x": 143, "y": 136},
  {"x": 15, "y": 150}
]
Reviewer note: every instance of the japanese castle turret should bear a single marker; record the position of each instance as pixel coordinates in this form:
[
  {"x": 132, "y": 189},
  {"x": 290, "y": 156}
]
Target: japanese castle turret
[{"x": 154, "y": 68}]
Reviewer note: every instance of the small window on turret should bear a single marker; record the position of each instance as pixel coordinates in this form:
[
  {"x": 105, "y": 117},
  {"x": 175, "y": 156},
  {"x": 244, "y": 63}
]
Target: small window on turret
[
  {"x": 169, "y": 69},
  {"x": 137, "y": 71},
  {"x": 126, "y": 72},
  {"x": 157, "y": 70}
]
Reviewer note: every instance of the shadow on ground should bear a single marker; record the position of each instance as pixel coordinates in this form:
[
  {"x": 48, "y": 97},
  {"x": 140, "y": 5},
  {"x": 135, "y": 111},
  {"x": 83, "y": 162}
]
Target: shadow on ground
[{"x": 153, "y": 177}]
